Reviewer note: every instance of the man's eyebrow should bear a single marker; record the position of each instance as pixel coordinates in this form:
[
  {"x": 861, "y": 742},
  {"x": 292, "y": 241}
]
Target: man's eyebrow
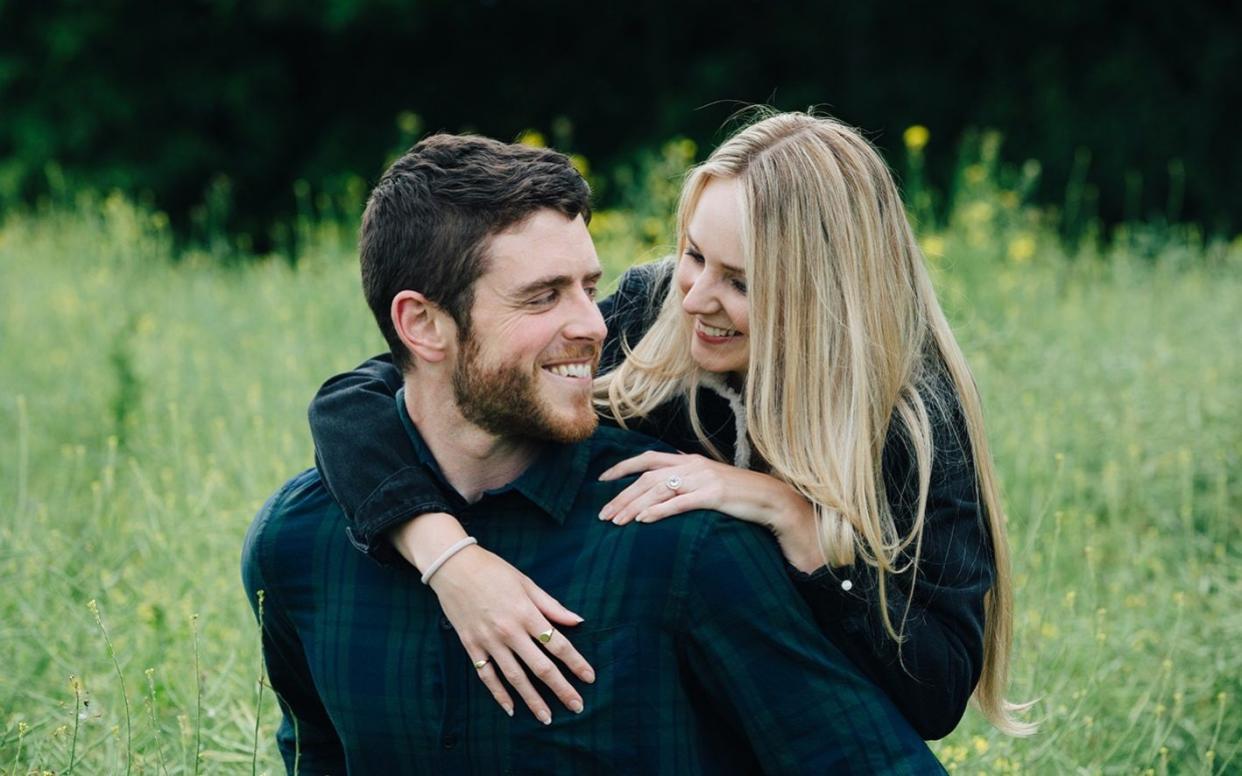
[
  {"x": 728, "y": 267},
  {"x": 554, "y": 281}
]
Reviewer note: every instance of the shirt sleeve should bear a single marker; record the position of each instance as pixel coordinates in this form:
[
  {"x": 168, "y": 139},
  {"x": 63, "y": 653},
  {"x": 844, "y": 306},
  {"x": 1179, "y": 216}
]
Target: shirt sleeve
[
  {"x": 751, "y": 642},
  {"x": 307, "y": 741},
  {"x": 366, "y": 458},
  {"x": 932, "y": 674}
]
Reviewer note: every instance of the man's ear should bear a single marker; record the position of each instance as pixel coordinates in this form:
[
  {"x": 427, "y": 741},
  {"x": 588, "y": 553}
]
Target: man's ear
[{"x": 423, "y": 326}]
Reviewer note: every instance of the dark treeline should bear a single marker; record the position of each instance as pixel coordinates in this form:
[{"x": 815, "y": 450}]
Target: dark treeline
[{"x": 158, "y": 98}]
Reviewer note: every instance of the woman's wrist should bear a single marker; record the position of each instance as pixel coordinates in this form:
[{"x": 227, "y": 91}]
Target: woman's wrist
[
  {"x": 793, "y": 523},
  {"x": 424, "y": 538}
]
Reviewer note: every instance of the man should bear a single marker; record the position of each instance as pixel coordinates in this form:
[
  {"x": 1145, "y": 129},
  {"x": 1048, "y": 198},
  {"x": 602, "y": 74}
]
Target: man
[{"x": 479, "y": 268}]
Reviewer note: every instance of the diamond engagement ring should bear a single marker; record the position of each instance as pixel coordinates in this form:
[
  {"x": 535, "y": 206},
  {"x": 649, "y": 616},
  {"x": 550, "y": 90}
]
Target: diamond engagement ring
[{"x": 673, "y": 483}]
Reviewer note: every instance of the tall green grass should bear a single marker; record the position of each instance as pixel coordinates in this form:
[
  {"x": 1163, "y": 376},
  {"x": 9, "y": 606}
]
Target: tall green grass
[{"x": 150, "y": 400}]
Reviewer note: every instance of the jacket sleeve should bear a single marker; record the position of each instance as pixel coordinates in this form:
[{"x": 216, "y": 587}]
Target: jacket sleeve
[
  {"x": 756, "y": 650},
  {"x": 632, "y": 308},
  {"x": 366, "y": 458},
  {"x": 306, "y": 738},
  {"x": 933, "y": 672}
]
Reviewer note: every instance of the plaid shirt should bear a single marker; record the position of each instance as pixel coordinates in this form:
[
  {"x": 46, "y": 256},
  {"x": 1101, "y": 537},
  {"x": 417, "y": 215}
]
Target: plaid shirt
[{"x": 707, "y": 659}]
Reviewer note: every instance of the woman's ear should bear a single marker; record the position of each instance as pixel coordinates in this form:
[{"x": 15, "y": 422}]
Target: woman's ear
[{"x": 425, "y": 329}]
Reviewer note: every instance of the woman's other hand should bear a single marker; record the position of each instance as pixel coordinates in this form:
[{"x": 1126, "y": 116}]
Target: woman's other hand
[
  {"x": 673, "y": 483},
  {"x": 499, "y": 614}
]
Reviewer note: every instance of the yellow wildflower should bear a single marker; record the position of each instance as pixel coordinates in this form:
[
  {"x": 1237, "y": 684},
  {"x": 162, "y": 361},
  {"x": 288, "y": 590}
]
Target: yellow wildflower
[
  {"x": 532, "y": 138},
  {"x": 1022, "y": 248},
  {"x": 933, "y": 246},
  {"x": 916, "y": 137},
  {"x": 408, "y": 122}
]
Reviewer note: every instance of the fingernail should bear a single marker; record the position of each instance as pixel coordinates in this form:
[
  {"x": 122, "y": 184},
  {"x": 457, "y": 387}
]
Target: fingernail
[
  {"x": 640, "y": 519},
  {"x": 590, "y": 677},
  {"x": 603, "y": 515},
  {"x": 545, "y": 717},
  {"x": 508, "y": 710},
  {"x": 576, "y": 707},
  {"x": 581, "y": 619}
]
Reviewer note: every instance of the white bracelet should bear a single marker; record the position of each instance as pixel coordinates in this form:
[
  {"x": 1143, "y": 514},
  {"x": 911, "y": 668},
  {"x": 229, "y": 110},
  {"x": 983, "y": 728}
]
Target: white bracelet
[{"x": 444, "y": 556}]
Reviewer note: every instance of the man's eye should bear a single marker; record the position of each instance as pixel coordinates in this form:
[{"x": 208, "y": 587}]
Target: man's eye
[
  {"x": 548, "y": 297},
  {"x": 592, "y": 291}
]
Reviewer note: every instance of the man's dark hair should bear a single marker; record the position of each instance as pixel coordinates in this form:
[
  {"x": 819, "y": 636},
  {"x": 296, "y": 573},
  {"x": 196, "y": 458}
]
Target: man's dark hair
[{"x": 428, "y": 220}]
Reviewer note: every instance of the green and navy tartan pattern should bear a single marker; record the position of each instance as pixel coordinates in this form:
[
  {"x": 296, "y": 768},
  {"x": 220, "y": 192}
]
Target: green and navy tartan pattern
[{"x": 707, "y": 659}]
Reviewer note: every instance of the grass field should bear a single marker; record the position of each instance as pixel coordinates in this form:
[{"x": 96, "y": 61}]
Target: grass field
[{"x": 149, "y": 402}]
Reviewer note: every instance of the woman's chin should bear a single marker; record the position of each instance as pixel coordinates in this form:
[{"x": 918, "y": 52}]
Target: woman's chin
[{"x": 711, "y": 359}]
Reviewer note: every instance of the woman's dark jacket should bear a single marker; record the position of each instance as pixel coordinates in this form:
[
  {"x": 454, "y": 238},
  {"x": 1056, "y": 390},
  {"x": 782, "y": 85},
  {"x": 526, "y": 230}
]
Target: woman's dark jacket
[{"x": 370, "y": 467}]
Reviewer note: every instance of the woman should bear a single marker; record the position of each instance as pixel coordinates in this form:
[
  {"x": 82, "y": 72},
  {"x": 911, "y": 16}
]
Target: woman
[{"x": 796, "y": 352}]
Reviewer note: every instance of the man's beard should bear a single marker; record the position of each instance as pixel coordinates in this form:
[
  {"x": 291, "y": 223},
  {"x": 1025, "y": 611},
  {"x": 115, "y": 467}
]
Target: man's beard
[{"x": 505, "y": 401}]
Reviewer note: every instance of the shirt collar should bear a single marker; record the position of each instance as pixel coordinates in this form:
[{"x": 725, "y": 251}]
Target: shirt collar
[{"x": 551, "y": 481}]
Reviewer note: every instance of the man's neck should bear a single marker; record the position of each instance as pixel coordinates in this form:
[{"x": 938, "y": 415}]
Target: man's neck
[{"x": 472, "y": 460}]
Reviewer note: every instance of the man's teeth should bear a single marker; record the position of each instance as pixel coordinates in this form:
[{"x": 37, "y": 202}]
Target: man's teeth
[
  {"x": 571, "y": 370},
  {"x": 712, "y": 331}
]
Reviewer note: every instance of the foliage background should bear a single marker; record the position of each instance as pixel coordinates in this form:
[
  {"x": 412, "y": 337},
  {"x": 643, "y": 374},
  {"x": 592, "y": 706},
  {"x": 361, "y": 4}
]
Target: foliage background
[{"x": 1134, "y": 102}]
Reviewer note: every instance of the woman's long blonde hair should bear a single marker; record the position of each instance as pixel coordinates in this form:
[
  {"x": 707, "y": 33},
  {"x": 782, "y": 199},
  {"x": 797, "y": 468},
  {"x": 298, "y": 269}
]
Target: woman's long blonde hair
[{"x": 847, "y": 336}]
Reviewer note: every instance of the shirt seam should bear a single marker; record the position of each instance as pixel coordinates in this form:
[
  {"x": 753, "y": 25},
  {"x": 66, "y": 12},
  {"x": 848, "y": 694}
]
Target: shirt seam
[
  {"x": 265, "y": 544},
  {"x": 682, "y": 607}
]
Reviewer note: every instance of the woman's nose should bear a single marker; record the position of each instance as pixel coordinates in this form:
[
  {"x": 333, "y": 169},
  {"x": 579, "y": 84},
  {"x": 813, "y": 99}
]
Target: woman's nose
[{"x": 699, "y": 299}]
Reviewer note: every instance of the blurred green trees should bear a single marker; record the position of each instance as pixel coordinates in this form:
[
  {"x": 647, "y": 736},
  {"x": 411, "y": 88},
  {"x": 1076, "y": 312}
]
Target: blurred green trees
[{"x": 1128, "y": 108}]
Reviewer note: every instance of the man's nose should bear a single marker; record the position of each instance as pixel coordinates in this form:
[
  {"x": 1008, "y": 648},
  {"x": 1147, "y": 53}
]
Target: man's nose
[{"x": 586, "y": 322}]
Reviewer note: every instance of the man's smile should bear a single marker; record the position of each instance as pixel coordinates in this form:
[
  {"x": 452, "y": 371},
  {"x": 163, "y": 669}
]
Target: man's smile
[{"x": 576, "y": 370}]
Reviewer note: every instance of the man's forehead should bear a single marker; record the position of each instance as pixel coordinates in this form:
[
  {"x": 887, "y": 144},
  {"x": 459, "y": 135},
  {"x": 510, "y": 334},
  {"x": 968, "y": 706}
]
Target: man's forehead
[{"x": 547, "y": 243}]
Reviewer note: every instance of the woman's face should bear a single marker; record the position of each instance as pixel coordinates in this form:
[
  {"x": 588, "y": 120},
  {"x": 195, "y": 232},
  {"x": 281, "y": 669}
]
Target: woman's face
[{"x": 712, "y": 276}]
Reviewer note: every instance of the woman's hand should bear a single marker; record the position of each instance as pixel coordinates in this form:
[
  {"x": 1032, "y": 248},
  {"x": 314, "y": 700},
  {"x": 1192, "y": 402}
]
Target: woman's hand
[
  {"x": 673, "y": 483},
  {"x": 498, "y": 613}
]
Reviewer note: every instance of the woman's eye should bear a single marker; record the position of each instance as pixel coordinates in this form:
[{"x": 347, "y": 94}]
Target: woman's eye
[
  {"x": 694, "y": 255},
  {"x": 739, "y": 285}
]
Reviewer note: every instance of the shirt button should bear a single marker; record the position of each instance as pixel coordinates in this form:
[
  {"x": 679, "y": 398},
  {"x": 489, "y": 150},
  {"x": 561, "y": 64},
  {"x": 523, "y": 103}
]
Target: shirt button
[
  {"x": 847, "y": 585},
  {"x": 449, "y": 741},
  {"x": 445, "y": 624}
]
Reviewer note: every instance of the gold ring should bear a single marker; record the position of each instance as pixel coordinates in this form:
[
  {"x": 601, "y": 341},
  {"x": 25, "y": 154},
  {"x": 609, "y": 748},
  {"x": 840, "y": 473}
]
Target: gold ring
[
  {"x": 546, "y": 636},
  {"x": 478, "y": 664}
]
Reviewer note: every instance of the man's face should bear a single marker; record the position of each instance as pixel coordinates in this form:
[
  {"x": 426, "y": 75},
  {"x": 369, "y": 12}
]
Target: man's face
[{"x": 525, "y": 369}]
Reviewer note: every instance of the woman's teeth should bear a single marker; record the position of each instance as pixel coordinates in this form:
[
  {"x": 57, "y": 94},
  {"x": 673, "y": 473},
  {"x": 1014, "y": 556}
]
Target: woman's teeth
[
  {"x": 571, "y": 370},
  {"x": 712, "y": 331}
]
